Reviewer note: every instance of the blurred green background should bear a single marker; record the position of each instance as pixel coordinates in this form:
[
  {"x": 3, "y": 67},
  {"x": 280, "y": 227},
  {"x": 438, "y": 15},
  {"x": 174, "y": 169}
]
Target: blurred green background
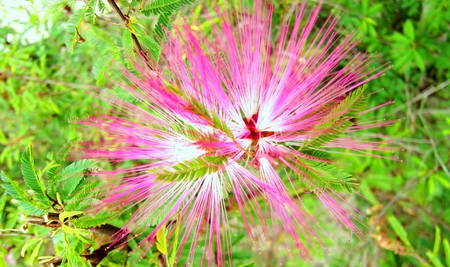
[{"x": 50, "y": 58}]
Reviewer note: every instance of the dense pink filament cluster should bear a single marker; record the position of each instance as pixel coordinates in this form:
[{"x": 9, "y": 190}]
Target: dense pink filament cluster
[{"x": 270, "y": 94}]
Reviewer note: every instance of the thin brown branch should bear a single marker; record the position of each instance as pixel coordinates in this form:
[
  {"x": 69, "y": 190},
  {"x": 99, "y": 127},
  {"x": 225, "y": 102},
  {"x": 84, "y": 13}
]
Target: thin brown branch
[
  {"x": 6, "y": 75},
  {"x": 126, "y": 20},
  {"x": 422, "y": 96}
]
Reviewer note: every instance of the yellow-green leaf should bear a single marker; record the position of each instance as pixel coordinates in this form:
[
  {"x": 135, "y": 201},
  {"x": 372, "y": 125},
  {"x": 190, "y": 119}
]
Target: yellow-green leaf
[
  {"x": 399, "y": 230},
  {"x": 35, "y": 252},
  {"x": 408, "y": 30},
  {"x": 434, "y": 259},
  {"x": 161, "y": 240},
  {"x": 27, "y": 245},
  {"x": 437, "y": 241},
  {"x": 447, "y": 251}
]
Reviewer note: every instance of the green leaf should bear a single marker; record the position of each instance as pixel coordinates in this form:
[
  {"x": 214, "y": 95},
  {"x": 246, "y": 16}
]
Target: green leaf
[
  {"x": 439, "y": 178},
  {"x": 2, "y": 207},
  {"x": 151, "y": 45},
  {"x": 3, "y": 253},
  {"x": 35, "y": 252},
  {"x": 207, "y": 25},
  {"x": 28, "y": 171},
  {"x": 437, "y": 241},
  {"x": 434, "y": 259},
  {"x": 399, "y": 38},
  {"x": 101, "y": 64},
  {"x": 88, "y": 190},
  {"x": 320, "y": 136},
  {"x": 73, "y": 258},
  {"x": 221, "y": 125},
  {"x": 408, "y": 30},
  {"x": 127, "y": 43},
  {"x": 28, "y": 244},
  {"x": 72, "y": 176},
  {"x": 201, "y": 110},
  {"x": 172, "y": 258},
  {"x": 366, "y": 191},
  {"x": 59, "y": 158},
  {"x": 84, "y": 196},
  {"x": 43, "y": 234},
  {"x": 165, "y": 6},
  {"x": 317, "y": 155},
  {"x": 73, "y": 231},
  {"x": 94, "y": 7},
  {"x": 337, "y": 121},
  {"x": 54, "y": 5},
  {"x": 33, "y": 181},
  {"x": 399, "y": 230},
  {"x": 14, "y": 189},
  {"x": 70, "y": 185},
  {"x": 322, "y": 176},
  {"x": 78, "y": 167},
  {"x": 191, "y": 169},
  {"x": 72, "y": 34},
  {"x": 166, "y": 10},
  {"x": 163, "y": 24},
  {"x": 419, "y": 61},
  {"x": 100, "y": 38},
  {"x": 350, "y": 107},
  {"x": 53, "y": 165},
  {"x": 161, "y": 240},
  {"x": 98, "y": 219},
  {"x": 447, "y": 251},
  {"x": 84, "y": 239}
]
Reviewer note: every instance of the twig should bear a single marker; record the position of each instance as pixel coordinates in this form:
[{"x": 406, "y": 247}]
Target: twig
[
  {"x": 51, "y": 220},
  {"x": 434, "y": 146},
  {"x": 49, "y": 81},
  {"x": 423, "y": 95},
  {"x": 126, "y": 20},
  {"x": 433, "y": 142}
]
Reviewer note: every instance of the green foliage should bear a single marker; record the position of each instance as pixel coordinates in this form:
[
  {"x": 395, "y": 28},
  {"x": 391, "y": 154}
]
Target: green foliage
[
  {"x": 76, "y": 168},
  {"x": 399, "y": 230},
  {"x": 41, "y": 87},
  {"x": 73, "y": 36},
  {"x": 32, "y": 179},
  {"x": 166, "y": 10},
  {"x": 14, "y": 189},
  {"x": 447, "y": 251},
  {"x": 413, "y": 36},
  {"x": 191, "y": 169},
  {"x": 56, "y": 215},
  {"x": 88, "y": 221},
  {"x": 212, "y": 118},
  {"x": 338, "y": 119},
  {"x": 161, "y": 241},
  {"x": 321, "y": 176},
  {"x": 165, "y": 6}
]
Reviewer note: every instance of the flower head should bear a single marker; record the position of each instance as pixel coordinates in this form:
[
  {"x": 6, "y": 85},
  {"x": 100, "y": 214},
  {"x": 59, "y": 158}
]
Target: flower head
[{"x": 238, "y": 120}]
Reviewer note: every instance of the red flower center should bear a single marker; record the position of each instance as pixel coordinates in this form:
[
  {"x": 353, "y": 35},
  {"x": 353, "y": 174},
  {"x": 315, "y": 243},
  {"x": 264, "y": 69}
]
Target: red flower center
[{"x": 254, "y": 134}]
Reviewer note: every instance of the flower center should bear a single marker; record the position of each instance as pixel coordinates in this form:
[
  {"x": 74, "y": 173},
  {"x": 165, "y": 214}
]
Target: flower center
[{"x": 254, "y": 133}]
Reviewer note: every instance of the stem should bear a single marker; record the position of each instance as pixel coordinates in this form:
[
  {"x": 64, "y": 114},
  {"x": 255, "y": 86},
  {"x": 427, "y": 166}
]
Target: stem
[
  {"x": 126, "y": 20},
  {"x": 7, "y": 75}
]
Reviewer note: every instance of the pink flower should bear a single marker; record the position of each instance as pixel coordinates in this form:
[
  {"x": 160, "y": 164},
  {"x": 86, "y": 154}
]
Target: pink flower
[{"x": 238, "y": 120}]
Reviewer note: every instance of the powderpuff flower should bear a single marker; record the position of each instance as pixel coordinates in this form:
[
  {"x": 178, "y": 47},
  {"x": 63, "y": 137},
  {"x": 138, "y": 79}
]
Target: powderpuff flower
[{"x": 242, "y": 119}]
